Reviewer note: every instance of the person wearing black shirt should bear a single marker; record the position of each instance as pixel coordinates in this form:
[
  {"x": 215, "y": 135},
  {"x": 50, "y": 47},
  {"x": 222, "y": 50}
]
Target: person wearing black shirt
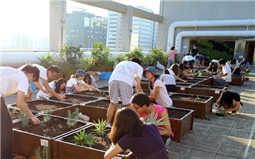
[
  {"x": 194, "y": 51},
  {"x": 230, "y": 101}
]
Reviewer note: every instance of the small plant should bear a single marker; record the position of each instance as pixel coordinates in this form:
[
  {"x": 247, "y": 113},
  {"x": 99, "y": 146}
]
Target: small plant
[
  {"x": 42, "y": 155},
  {"x": 47, "y": 60},
  {"x": 47, "y": 117},
  {"x": 24, "y": 119},
  {"x": 153, "y": 119},
  {"x": 197, "y": 98},
  {"x": 72, "y": 117},
  {"x": 14, "y": 111},
  {"x": 84, "y": 139},
  {"x": 101, "y": 128}
]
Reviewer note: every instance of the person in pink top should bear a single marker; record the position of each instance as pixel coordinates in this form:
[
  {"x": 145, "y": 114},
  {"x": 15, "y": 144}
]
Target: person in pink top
[
  {"x": 142, "y": 106},
  {"x": 171, "y": 57}
]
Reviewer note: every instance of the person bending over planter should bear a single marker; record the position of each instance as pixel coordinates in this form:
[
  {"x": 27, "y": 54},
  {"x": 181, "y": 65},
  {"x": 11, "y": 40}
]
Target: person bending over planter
[
  {"x": 212, "y": 67},
  {"x": 45, "y": 75},
  {"x": 225, "y": 74},
  {"x": 143, "y": 107},
  {"x": 158, "y": 91},
  {"x": 121, "y": 84},
  {"x": 14, "y": 81},
  {"x": 230, "y": 101},
  {"x": 174, "y": 70},
  {"x": 169, "y": 81},
  {"x": 129, "y": 132},
  {"x": 59, "y": 86},
  {"x": 90, "y": 80},
  {"x": 76, "y": 83}
]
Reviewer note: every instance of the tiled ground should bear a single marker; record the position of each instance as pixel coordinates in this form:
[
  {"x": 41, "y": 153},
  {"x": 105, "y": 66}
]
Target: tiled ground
[{"x": 228, "y": 137}]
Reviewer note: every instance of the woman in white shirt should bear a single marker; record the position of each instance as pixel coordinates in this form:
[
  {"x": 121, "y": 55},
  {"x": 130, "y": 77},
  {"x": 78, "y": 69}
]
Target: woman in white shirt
[
  {"x": 168, "y": 80},
  {"x": 90, "y": 80},
  {"x": 59, "y": 86},
  {"x": 158, "y": 90}
]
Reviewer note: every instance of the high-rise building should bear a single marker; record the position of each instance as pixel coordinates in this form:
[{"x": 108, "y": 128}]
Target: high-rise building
[
  {"x": 83, "y": 29},
  {"x": 144, "y": 32}
]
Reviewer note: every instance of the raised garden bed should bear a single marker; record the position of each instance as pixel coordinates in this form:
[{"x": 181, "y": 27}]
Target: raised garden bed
[
  {"x": 237, "y": 80},
  {"x": 181, "y": 121},
  {"x": 201, "y": 104},
  {"x": 27, "y": 139},
  {"x": 93, "y": 93},
  {"x": 104, "y": 103},
  {"x": 104, "y": 88},
  {"x": 15, "y": 113},
  {"x": 43, "y": 106},
  {"x": 207, "y": 81},
  {"x": 181, "y": 87},
  {"x": 65, "y": 148},
  {"x": 76, "y": 99},
  {"x": 206, "y": 90}
]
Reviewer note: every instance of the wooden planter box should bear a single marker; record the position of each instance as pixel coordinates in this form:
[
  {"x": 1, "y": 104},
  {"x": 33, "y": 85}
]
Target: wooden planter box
[
  {"x": 37, "y": 105},
  {"x": 237, "y": 80},
  {"x": 93, "y": 94},
  {"x": 76, "y": 98},
  {"x": 181, "y": 87},
  {"x": 63, "y": 149},
  {"x": 104, "y": 88},
  {"x": 180, "y": 124},
  {"x": 202, "y": 105},
  {"x": 94, "y": 113},
  {"x": 207, "y": 81},
  {"x": 25, "y": 143},
  {"x": 206, "y": 90}
]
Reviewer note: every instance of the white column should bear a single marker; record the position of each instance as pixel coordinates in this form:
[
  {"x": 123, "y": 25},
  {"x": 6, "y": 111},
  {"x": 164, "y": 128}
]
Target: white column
[
  {"x": 126, "y": 29},
  {"x": 57, "y": 24},
  {"x": 162, "y": 36}
]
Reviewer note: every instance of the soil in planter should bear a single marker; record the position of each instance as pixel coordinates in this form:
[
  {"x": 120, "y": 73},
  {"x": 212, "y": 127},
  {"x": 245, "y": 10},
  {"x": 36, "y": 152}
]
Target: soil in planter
[
  {"x": 15, "y": 114},
  {"x": 189, "y": 97},
  {"x": 53, "y": 128},
  {"x": 102, "y": 143},
  {"x": 75, "y": 99},
  {"x": 104, "y": 104},
  {"x": 104, "y": 88},
  {"x": 207, "y": 86},
  {"x": 44, "y": 106},
  {"x": 183, "y": 84},
  {"x": 93, "y": 93},
  {"x": 174, "y": 113}
]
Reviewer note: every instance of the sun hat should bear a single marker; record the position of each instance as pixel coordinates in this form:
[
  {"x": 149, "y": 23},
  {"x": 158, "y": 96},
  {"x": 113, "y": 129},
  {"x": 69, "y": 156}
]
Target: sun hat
[
  {"x": 80, "y": 73},
  {"x": 152, "y": 70}
]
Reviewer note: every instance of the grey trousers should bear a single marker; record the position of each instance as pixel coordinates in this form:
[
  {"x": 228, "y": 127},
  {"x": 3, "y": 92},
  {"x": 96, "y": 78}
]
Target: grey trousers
[{"x": 6, "y": 131}]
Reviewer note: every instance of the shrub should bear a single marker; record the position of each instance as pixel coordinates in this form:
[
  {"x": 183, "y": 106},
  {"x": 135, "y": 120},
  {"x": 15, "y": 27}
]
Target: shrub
[{"x": 84, "y": 139}]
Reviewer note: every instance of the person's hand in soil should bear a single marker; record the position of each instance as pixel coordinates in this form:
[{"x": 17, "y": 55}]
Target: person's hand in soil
[
  {"x": 62, "y": 95},
  {"x": 35, "y": 120},
  {"x": 61, "y": 99}
]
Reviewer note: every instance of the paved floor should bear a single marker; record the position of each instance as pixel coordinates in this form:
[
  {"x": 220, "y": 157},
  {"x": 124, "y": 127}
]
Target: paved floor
[{"x": 227, "y": 137}]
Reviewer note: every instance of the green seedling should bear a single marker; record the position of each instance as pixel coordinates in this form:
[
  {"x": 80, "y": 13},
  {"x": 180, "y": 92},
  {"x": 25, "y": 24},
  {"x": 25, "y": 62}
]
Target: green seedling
[
  {"x": 197, "y": 98},
  {"x": 46, "y": 118},
  {"x": 84, "y": 139},
  {"x": 42, "y": 155},
  {"x": 24, "y": 119},
  {"x": 14, "y": 111},
  {"x": 153, "y": 119},
  {"x": 72, "y": 117},
  {"x": 101, "y": 127}
]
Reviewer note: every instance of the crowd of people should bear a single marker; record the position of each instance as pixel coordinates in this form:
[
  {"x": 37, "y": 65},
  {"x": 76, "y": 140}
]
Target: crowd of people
[{"x": 128, "y": 129}]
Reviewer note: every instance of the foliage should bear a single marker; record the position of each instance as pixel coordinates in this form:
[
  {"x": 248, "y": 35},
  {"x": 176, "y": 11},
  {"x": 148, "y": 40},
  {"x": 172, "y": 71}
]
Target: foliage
[
  {"x": 101, "y": 127},
  {"x": 71, "y": 54},
  {"x": 197, "y": 98},
  {"x": 44, "y": 154},
  {"x": 14, "y": 111},
  {"x": 47, "y": 60},
  {"x": 137, "y": 52},
  {"x": 84, "y": 139},
  {"x": 153, "y": 119},
  {"x": 24, "y": 119},
  {"x": 72, "y": 117},
  {"x": 157, "y": 55},
  {"x": 119, "y": 58},
  {"x": 148, "y": 60},
  {"x": 46, "y": 118}
]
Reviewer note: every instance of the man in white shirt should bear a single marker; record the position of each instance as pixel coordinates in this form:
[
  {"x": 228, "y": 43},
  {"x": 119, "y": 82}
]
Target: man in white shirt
[
  {"x": 14, "y": 81},
  {"x": 121, "y": 83},
  {"x": 45, "y": 75},
  {"x": 226, "y": 71}
]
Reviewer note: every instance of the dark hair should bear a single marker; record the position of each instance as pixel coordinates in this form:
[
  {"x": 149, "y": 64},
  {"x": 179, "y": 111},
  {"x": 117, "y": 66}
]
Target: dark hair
[
  {"x": 172, "y": 48},
  {"x": 126, "y": 122},
  {"x": 181, "y": 66},
  {"x": 53, "y": 69},
  {"x": 58, "y": 84},
  {"x": 227, "y": 98},
  {"x": 233, "y": 62},
  {"x": 185, "y": 62},
  {"x": 140, "y": 99},
  {"x": 221, "y": 61},
  {"x": 244, "y": 62},
  {"x": 136, "y": 59},
  {"x": 166, "y": 72},
  {"x": 29, "y": 68},
  {"x": 87, "y": 76},
  {"x": 210, "y": 68},
  {"x": 174, "y": 68}
]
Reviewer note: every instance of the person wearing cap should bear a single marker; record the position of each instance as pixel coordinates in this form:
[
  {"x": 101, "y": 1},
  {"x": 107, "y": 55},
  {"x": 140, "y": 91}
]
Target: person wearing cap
[
  {"x": 121, "y": 83},
  {"x": 45, "y": 75},
  {"x": 158, "y": 91}
]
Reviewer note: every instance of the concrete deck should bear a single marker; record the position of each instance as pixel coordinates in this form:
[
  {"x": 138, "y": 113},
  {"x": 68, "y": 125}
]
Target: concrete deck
[{"x": 228, "y": 137}]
